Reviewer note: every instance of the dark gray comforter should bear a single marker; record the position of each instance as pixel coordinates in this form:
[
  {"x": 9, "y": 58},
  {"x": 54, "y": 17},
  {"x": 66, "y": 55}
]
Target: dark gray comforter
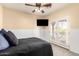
[{"x": 29, "y": 47}]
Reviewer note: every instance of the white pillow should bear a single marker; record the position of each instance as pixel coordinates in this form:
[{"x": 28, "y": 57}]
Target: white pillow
[{"x": 3, "y": 42}]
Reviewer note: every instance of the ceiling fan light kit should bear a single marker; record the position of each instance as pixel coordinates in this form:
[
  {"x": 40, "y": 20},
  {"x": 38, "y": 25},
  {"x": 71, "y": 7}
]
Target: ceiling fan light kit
[
  {"x": 39, "y": 6},
  {"x": 38, "y": 10}
]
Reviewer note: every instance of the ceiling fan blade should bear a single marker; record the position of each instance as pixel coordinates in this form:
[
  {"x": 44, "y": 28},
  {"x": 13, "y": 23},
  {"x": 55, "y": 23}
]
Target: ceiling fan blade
[
  {"x": 47, "y": 5},
  {"x": 38, "y": 4},
  {"x": 30, "y": 5}
]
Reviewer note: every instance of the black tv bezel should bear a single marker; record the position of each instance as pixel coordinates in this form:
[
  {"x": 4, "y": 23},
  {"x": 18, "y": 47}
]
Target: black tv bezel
[{"x": 42, "y": 23}]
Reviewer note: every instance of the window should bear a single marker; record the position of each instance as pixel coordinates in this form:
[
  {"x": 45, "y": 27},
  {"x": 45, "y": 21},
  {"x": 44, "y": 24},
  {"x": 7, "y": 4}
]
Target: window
[{"x": 60, "y": 29}]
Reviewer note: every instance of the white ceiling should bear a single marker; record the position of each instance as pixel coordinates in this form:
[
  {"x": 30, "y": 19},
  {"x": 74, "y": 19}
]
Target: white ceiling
[{"x": 29, "y": 9}]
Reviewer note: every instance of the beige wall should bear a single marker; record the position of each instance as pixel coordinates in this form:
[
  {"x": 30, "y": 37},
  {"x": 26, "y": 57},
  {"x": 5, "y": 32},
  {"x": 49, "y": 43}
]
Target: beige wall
[
  {"x": 70, "y": 11},
  {"x": 1, "y": 16},
  {"x": 13, "y": 19}
]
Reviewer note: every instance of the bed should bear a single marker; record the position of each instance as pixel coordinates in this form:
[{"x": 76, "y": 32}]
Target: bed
[{"x": 29, "y": 47}]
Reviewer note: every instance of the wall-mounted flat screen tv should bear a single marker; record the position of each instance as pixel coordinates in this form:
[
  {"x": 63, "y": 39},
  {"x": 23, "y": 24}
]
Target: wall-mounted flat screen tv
[{"x": 42, "y": 22}]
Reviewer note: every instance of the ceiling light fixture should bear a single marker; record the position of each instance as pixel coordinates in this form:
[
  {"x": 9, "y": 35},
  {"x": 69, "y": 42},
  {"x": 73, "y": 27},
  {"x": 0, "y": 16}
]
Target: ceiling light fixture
[
  {"x": 38, "y": 10},
  {"x": 39, "y": 5}
]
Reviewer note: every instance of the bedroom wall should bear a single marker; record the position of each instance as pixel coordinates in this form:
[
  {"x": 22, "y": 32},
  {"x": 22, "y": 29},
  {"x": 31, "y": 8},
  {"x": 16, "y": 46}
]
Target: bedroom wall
[
  {"x": 23, "y": 25},
  {"x": 13, "y": 19},
  {"x": 70, "y": 12},
  {"x": 1, "y": 16}
]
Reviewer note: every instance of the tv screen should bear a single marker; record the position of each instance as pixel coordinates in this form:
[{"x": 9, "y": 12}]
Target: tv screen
[{"x": 42, "y": 22}]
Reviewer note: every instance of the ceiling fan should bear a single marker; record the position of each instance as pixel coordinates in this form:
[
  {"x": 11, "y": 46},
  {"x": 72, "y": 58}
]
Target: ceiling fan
[{"x": 39, "y": 5}]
